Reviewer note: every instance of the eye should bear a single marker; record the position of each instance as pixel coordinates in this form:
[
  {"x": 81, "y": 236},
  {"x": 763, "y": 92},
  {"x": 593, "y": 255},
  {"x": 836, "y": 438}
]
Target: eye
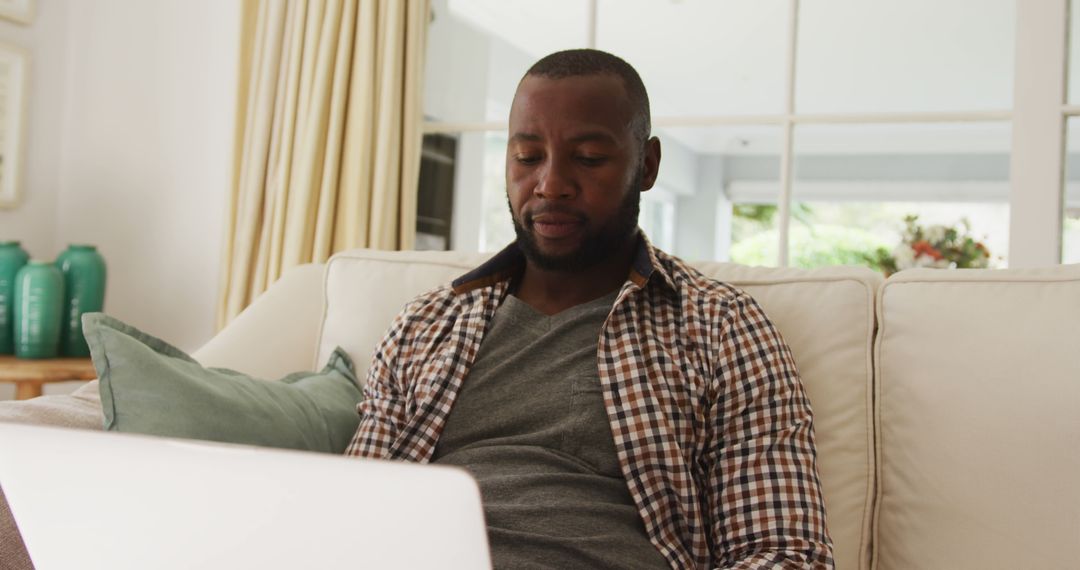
[
  {"x": 592, "y": 160},
  {"x": 527, "y": 159}
]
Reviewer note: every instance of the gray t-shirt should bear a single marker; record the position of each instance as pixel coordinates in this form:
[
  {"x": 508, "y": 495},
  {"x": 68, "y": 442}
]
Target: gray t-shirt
[{"x": 529, "y": 424}]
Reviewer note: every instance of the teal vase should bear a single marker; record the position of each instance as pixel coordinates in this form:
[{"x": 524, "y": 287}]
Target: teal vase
[
  {"x": 12, "y": 258},
  {"x": 39, "y": 295},
  {"x": 83, "y": 269}
]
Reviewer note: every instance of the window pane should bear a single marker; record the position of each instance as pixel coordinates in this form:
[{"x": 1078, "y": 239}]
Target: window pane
[
  {"x": 724, "y": 180},
  {"x": 856, "y": 184},
  {"x": 1070, "y": 242},
  {"x": 478, "y": 50},
  {"x": 755, "y": 236},
  {"x": 701, "y": 57},
  {"x": 476, "y": 191},
  {"x": 917, "y": 55},
  {"x": 496, "y": 227},
  {"x": 657, "y": 217}
]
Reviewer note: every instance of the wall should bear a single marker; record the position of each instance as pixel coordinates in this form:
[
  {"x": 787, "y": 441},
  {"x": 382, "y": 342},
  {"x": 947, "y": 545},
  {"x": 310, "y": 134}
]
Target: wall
[
  {"x": 148, "y": 151},
  {"x": 33, "y": 221},
  {"x": 129, "y": 147}
]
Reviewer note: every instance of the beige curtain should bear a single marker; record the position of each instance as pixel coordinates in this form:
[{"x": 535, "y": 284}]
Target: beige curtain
[{"x": 328, "y": 136}]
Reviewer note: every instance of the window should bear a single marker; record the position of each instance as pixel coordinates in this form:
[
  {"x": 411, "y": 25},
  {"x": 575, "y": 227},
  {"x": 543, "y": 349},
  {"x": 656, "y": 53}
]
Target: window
[
  {"x": 854, "y": 185},
  {"x": 794, "y": 133},
  {"x": 876, "y": 56},
  {"x": 1070, "y": 226},
  {"x": 1070, "y": 234},
  {"x": 657, "y": 217}
]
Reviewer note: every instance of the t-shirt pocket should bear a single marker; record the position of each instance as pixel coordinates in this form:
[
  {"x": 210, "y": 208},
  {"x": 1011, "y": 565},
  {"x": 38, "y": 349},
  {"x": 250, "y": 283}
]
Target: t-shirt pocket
[{"x": 589, "y": 437}]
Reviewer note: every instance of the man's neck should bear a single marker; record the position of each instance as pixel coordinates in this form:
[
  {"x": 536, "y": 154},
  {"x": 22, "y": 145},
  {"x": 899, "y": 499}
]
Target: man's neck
[{"x": 552, "y": 292}]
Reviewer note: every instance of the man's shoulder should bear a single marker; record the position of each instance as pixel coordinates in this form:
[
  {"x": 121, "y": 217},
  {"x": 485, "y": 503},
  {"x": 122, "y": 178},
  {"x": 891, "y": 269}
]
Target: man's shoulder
[
  {"x": 431, "y": 304},
  {"x": 693, "y": 285}
]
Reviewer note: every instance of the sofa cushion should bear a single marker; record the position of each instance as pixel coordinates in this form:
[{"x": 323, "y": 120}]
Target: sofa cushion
[
  {"x": 150, "y": 387},
  {"x": 365, "y": 290},
  {"x": 825, "y": 315},
  {"x": 279, "y": 326},
  {"x": 827, "y": 318},
  {"x": 978, "y": 384}
]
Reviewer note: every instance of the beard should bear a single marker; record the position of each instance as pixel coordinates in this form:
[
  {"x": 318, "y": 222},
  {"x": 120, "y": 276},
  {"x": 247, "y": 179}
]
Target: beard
[{"x": 598, "y": 245}]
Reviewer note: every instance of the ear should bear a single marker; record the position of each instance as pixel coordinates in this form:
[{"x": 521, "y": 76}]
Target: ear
[{"x": 651, "y": 163}]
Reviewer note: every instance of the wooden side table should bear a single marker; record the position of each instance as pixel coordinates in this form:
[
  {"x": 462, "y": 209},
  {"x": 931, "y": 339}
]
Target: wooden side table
[{"x": 30, "y": 375}]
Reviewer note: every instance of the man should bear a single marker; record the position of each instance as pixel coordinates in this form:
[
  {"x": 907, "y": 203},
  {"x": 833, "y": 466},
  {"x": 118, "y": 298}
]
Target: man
[{"x": 617, "y": 408}]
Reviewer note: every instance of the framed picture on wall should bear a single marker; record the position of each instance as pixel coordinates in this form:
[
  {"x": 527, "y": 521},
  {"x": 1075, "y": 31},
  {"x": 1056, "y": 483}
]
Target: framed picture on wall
[
  {"x": 21, "y": 11},
  {"x": 14, "y": 72}
]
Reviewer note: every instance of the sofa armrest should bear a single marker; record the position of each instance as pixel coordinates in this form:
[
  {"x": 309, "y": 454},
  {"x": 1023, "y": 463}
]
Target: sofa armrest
[{"x": 276, "y": 334}]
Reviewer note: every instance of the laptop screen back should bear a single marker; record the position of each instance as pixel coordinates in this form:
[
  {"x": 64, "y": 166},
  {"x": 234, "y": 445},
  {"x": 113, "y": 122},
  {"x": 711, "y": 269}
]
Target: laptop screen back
[{"x": 106, "y": 500}]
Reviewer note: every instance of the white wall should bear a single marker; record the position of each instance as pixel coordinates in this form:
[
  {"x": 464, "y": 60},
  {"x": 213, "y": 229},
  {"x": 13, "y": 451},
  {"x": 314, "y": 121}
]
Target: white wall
[
  {"x": 129, "y": 147},
  {"x": 33, "y": 221},
  {"x": 147, "y": 136}
]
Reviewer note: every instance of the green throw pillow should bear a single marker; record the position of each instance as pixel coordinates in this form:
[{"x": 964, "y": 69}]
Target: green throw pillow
[{"x": 151, "y": 387}]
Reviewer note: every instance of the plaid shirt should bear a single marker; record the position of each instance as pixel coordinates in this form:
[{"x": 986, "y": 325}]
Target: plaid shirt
[{"x": 712, "y": 427}]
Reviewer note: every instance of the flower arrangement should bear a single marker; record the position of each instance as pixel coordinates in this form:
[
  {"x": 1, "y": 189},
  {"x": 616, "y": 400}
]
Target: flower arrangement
[{"x": 932, "y": 246}]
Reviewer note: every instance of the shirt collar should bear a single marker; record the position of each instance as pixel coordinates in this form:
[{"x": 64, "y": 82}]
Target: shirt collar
[{"x": 506, "y": 264}]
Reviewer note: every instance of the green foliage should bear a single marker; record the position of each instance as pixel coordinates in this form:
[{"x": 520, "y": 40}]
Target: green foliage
[
  {"x": 764, "y": 214},
  {"x": 881, "y": 259},
  {"x": 760, "y": 213},
  {"x": 818, "y": 246}
]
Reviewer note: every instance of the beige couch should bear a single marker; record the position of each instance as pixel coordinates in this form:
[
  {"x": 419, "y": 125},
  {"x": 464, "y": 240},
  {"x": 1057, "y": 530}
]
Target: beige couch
[{"x": 947, "y": 402}]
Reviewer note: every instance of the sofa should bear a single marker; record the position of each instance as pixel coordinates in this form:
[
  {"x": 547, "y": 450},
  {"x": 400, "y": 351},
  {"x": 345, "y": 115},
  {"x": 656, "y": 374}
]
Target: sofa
[{"x": 947, "y": 403}]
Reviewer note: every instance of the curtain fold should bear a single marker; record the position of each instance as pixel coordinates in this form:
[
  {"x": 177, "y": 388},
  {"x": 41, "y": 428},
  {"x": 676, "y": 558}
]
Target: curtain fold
[{"x": 329, "y": 134}]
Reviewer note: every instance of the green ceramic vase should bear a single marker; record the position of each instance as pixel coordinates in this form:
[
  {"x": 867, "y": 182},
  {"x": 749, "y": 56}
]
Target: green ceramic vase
[
  {"x": 83, "y": 269},
  {"x": 12, "y": 258},
  {"x": 39, "y": 295}
]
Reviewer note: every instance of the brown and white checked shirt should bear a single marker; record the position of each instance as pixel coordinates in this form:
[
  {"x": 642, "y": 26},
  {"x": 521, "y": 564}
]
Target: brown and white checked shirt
[{"x": 712, "y": 427}]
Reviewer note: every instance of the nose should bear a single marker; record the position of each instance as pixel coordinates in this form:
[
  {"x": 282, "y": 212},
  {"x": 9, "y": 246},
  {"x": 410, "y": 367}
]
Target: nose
[{"x": 556, "y": 181}]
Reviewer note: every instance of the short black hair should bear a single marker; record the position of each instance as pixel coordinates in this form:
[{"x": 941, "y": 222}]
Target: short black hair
[{"x": 579, "y": 62}]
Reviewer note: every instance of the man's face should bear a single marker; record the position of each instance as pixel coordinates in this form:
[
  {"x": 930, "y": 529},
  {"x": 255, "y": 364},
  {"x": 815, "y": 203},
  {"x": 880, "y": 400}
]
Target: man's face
[{"x": 575, "y": 170}]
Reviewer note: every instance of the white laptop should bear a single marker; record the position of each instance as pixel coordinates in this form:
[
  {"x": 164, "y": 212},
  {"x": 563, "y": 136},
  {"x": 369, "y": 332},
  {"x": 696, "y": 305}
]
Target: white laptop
[{"x": 86, "y": 499}]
